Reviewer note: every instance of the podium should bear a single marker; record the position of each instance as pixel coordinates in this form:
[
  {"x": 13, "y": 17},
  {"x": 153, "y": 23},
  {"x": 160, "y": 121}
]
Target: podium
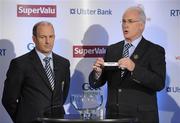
[{"x": 75, "y": 118}]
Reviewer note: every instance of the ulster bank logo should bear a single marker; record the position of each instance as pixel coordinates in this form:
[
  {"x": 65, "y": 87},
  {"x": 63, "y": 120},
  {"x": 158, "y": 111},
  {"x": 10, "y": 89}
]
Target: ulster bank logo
[
  {"x": 36, "y": 10},
  {"x": 88, "y": 51},
  {"x": 98, "y": 11},
  {"x": 173, "y": 89}
]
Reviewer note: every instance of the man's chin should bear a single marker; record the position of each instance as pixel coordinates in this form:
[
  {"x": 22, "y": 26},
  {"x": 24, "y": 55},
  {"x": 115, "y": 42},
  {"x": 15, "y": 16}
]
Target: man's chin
[
  {"x": 127, "y": 38},
  {"x": 47, "y": 51}
]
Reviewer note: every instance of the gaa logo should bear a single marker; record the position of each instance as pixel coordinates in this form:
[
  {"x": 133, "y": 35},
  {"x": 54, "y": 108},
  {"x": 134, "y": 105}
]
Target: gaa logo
[
  {"x": 87, "y": 87},
  {"x": 30, "y": 46}
]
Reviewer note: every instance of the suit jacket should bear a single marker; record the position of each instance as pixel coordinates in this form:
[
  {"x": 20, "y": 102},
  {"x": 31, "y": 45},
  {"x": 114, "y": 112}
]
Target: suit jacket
[
  {"x": 27, "y": 91},
  {"x": 135, "y": 93}
]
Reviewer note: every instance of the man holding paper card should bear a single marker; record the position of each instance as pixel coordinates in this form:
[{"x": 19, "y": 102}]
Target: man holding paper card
[{"x": 134, "y": 70}]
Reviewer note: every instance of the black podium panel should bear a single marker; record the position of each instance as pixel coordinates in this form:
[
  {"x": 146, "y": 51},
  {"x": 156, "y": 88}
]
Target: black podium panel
[{"x": 74, "y": 118}]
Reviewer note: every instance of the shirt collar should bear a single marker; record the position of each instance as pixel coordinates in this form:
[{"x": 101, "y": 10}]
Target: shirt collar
[
  {"x": 135, "y": 42},
  {"x": 42, "y": 56}
]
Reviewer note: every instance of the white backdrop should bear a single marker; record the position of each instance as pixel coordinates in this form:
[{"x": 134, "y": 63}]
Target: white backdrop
[{"x": 92, "y": 23}]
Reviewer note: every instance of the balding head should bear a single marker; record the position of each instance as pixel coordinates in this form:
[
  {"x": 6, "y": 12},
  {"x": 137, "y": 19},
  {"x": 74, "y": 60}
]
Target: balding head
[
  {"x": 38, "y": 24},
  {"x": 140, "y": 11},
  {"x": 133, "y": 23}
]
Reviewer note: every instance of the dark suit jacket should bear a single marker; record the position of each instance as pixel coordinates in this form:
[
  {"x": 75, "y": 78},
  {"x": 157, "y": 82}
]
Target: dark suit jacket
[
  {"x": 27, "y": 92},
  {"x": 135, "y": 93}
]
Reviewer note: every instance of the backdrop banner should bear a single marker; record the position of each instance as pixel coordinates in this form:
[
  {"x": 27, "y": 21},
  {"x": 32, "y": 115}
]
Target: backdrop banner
[{"x": 83, "y": 29}]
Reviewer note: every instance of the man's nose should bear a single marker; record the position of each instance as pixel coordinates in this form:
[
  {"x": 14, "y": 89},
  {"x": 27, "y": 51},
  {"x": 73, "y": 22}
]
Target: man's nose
[
  {"x": 47, "y": 40},
  {"x": 125, "y": 25}
]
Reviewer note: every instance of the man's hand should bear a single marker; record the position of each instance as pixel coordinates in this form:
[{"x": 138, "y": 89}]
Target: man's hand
[
  {"x": 126, "y": 63},
  {"x": 98, "y": 65}
]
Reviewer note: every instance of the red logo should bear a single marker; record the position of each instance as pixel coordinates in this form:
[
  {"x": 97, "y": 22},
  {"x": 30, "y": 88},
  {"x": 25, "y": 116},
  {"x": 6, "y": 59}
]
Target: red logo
[
  {"x": 88, "y": 51},
  {"x": 36, "y": 10},
  {"x": 177, "y": 57}
]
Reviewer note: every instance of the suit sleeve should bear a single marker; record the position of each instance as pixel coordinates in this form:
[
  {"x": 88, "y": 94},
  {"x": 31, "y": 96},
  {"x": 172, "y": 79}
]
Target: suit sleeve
[
  {"x": 96, "y": 83},
  {"x": 153, "y": 76},
  {"x": 93, "y": 81},
  {"x": 12, "y": 88},
  {"x": 66, "y": 83}
]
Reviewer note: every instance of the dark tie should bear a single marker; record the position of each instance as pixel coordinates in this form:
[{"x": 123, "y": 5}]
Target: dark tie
[
  {"x": 125, "y": 54},
  {"x": 49, "y": 71},
  {"x": 126, "y": 50}
]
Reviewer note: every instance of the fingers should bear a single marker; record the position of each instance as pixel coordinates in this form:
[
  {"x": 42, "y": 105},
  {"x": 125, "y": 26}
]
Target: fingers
[
  {"x": 126, "y": 63},
  {"x": 122, "y": 63},
  {"x": 98, "y": 65},
  {"x": 97, "y": 69}
]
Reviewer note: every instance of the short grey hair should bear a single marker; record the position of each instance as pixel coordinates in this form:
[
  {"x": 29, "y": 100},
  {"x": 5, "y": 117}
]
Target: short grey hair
[{"x": 141, "y": 12}]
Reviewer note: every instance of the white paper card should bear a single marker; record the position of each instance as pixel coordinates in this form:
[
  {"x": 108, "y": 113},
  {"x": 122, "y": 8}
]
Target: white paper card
[{"x": 110, "y": 64}]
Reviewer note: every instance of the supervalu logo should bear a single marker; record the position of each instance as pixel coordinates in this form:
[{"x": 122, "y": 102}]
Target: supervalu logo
[{"x": 36, "y": 10}]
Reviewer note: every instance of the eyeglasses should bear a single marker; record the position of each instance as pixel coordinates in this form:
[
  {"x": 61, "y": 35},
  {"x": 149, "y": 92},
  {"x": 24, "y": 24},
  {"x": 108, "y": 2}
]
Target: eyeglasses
[{"x": 129, "y": 21}]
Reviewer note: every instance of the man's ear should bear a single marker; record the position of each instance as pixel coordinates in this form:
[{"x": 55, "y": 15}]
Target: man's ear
[
  {"x": 142, "y": 26},
  {"x": 34, "y": 38}
]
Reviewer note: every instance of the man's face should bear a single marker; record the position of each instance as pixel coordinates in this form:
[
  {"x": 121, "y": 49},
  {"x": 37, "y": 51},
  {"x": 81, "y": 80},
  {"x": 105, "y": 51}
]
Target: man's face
[
  {"x": 132, "y": 26},
  {"x": 44, "y": 40}
]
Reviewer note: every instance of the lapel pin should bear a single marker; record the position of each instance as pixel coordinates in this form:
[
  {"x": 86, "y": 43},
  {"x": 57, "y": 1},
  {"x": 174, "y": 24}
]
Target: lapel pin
[{"x": 135, "y": 56}]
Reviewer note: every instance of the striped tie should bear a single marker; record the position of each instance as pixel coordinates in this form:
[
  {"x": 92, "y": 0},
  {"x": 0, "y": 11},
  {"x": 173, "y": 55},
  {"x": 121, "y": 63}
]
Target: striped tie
[
  {"x": 125, "y": 54},
  {"x": 126, "y": 50},
  {"x": 49, "y": 71}
]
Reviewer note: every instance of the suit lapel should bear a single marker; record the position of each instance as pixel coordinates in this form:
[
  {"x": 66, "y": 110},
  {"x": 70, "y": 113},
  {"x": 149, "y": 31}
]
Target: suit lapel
[
  {"x": 139, "y": 51},
  {"x": 36, "y": 63},
  {"x": 57, "y": 72},
  {"x": 116, "y": 52},
  {"x": 121, "y": 50}
]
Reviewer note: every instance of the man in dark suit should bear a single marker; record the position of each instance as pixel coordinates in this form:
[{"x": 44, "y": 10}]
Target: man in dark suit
[
  {"x": 134, "y": 70},
  {"x": 34, "y": 88}
]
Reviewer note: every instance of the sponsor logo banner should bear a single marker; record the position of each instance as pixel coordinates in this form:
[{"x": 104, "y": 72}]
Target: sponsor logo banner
[
  {"x": 30, "y": 46},
  {"x": 3, "y": 52},
  {"x": 87, "y": 87},
  {"x": 36, "y": 10},
  {"x": 173, "y": 89},
  {"x": 175, "y": 12},
  {"x": 177, "y": 57},
  {"x": 88, "y": 51},
  {"x": 98, "y": 11}
]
